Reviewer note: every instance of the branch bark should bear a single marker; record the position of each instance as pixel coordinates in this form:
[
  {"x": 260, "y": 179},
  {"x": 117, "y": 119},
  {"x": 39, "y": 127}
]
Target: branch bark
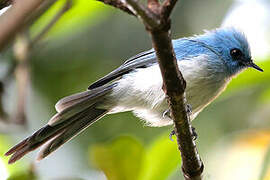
[
  {"x": 119, "y": 5},
  {"x": 5, "y": 3},
  {"x": 54, "y": 19},
  {"x": 21, "y": 15},
  {"x": 157, "y": 22},
  {"x": 12, "y": 20}
]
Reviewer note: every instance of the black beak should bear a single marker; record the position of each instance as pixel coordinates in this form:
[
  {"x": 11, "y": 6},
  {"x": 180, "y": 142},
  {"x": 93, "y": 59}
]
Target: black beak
[{"x": 253, "y": 65}]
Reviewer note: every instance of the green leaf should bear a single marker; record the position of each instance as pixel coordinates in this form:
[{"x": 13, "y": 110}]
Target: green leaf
[
  {"x": 161, "y": 159},
  {"x": 119, "y": 160}
]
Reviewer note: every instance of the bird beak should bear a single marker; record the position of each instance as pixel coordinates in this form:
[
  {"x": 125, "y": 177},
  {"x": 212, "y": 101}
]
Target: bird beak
[{"x": 253, "y": 65}]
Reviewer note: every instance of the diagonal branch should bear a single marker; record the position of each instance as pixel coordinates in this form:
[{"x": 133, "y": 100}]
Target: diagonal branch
[
  {"x": 167, "y": 8},
  {"x": 23, "y": 17},
  {"x": 149, "y": 18},
  {"x": 21, "y": 14},
  {"x": 119, "y": 5},
  {"x": 5, "y": 3},
  {"x": 39, "y": 12},
  {"x": 54, "y": 19},
  {"x": 13, "y": 19},
  {"x": 156, "y": 19}
]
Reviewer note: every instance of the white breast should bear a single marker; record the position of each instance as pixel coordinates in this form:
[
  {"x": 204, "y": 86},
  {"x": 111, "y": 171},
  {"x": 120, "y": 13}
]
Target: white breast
[{"x": 141, "y": 91}]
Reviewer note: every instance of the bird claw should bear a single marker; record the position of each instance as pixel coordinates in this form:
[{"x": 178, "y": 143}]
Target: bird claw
[
  {"x": 171, "y": 134},
  {"x": 166, "y": 113},
  {"x": 194, "y": 134},
  {"x": 189, "y": 109}
]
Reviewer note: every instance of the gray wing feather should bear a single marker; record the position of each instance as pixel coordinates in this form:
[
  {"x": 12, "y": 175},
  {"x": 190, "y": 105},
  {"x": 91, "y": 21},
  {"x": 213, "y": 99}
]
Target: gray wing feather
[
  {"x": 141, "y": 60},
  {"x": 70, "y": 132},
  {"x": 55, "y": 135},
  {"x": 71, "y": 105}
]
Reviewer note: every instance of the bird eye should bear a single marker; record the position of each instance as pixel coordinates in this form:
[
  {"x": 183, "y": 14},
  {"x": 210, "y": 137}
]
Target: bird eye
[{"x": 236, "y": 54}]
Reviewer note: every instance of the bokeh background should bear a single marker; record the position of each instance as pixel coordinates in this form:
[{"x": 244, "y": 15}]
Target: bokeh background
[{"x": 89, "y": 41}]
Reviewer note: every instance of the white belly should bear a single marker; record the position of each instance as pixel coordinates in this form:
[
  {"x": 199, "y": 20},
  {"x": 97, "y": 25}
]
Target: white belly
[{"x": 141, "y": 91}]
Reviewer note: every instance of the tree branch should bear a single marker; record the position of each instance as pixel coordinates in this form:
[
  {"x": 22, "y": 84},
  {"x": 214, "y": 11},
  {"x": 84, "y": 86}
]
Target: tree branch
[
  {"x": 14, "y": 18},
  {"x": 54, "y": 19},
  {"x": 156, "y": 19},
  {"x": 167, "y": 8},
  {"x": 119, "y": 5},
  {"x": 5, "y": 3},
  {"x": 22, "y": 75},
  {"x": 22, "y": 50},
  {"x": 39, "y": 11}
]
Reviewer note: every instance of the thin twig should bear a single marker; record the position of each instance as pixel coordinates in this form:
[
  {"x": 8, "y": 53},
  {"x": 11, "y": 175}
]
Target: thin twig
[
  {"x": 154, "y": 6},
  {"x": 39, "y": 12},
  {"x": 167, "y": 8},
  {"x": 56, "y": 17},
  {"x": 13, "y": 19},
  {"x": 149, "y": 18},
  {"x": 3, "y": 114},
  {"x": 22, "y": 75},
  {"x": 22, "y": 48},
  {"x": 119, "y": 5},
  {"x": 5, "y": 3}
]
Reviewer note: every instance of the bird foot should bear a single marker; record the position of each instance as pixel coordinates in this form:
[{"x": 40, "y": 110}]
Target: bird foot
[
  {"x": 194, "y": 134},
  {"x": 171, "y": 135},
  {"x": 167, "y": 113},
  {"x": 189, "y": 109}
]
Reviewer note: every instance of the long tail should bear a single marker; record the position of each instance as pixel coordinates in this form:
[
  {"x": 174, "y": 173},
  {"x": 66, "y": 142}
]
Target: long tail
[{"x": 75, "y": 113}]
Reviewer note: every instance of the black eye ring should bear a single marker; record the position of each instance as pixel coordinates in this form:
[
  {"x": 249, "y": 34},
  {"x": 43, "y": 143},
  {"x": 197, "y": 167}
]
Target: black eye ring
[{"x": 236, "y": 53}]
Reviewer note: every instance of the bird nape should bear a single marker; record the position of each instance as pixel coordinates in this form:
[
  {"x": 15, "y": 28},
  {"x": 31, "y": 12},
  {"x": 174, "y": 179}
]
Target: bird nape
[{"x": 208, "y": 62}]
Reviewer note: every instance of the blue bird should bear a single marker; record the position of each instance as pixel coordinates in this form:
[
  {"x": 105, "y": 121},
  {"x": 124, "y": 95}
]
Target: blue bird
[{"x": 208, "y": 62}]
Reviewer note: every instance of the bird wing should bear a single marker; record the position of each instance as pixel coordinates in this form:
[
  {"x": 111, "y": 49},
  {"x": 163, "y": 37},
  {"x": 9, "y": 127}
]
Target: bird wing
[{"x": 141, "y": 60}]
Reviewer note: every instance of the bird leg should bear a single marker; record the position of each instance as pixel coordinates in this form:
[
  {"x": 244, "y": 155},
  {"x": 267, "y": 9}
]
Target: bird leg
[
  {"x": 167, "y": 113},
  {"x": 189, "y": 109},
  {"x": 194, "y": 134},
  {"x": 172, "y": 134}
]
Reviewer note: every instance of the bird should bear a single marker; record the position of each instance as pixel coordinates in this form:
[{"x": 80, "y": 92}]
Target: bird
[{"x": 207, "y": 62}]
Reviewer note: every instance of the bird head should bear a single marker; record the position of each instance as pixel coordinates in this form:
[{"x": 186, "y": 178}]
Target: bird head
[{"x": 232, "y": 47}]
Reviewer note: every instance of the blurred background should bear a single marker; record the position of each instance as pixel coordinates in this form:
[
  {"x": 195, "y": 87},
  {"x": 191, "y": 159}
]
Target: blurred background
[{"x": 88, "y": 41}]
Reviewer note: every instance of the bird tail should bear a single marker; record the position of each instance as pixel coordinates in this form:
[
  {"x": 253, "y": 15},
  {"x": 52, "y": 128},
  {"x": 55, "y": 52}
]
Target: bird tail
[{"x": 75, "y": 113}]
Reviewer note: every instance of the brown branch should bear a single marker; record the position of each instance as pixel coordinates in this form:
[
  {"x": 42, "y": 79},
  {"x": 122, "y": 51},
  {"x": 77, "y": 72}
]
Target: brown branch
[
  {"x": 156, "y": 19},
  {"x": 21, "y": 73},
  {"x": 174, "y": 87},
  {"x": 3, "y": 114},
  {"x": 22, "y": 14},
  {"x": 39, "y": 12},
  {"x": 5, "y": 3},
  {"x": 54, "y": 19},
  {"x": 167, "y": 8},
  {"x": 14, "y": 18},
  {"x": 119, "y": 5},
  {"x": 149, "y": 18},
  {"x": 20, "y": 69},
  {"x": 153, "y": 5},
  {"x": 21, "y": 53}
]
